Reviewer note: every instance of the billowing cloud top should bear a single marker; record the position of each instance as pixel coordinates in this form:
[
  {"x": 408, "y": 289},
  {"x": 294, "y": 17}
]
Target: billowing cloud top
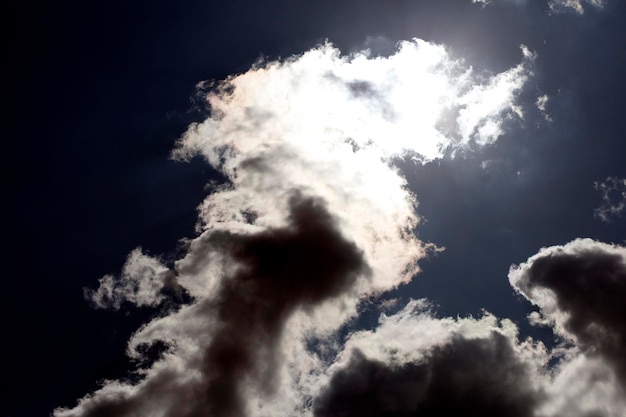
[
  {"x": 329, "y": 125},
  {"x": 414, "y": 364},
  {"x": 580, "y": 288}
]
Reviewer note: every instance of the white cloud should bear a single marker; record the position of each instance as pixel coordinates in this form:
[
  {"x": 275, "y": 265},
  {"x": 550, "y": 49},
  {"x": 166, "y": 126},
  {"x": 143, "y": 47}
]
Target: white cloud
[
  {"x": 329, "y": 124},
  {"x": 613, "y": 191},
  {"x": 583, "y": 386},
  {"x": 140, "y": 283},
  {"x": 314, "y": 217},
  {"x": 541, "y": 104}
]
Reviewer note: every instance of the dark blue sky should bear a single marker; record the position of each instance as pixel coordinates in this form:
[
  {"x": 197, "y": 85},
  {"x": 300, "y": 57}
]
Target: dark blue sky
[{"x": 99, "y": 93}]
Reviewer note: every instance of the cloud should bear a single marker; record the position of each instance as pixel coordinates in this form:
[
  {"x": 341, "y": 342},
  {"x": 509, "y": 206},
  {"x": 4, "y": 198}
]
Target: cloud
[
  {"x": 431, "y": 367},
  {"x": 417, "y": 100},
  {"x": 613, "y": 191},
  {"x": 312, "y": 218},
  {"x": 281, "y": 270},
  {"x": 541, "y": 103},
  {"x": 580, "y": 289},
  {"x": 141, "y": 283},
  {"x": 414, "y": 363},
  {"x": 556, "y": 6},
  {"x": 574, "y": 5}
]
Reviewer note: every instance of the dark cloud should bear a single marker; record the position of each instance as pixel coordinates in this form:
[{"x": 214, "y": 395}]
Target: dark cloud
[
  {"x": 301, "y": 265},
  {"x": 276, "y": 272},
  {"x": 588, "y": 282},
  {"x": 467, "y": 376}
]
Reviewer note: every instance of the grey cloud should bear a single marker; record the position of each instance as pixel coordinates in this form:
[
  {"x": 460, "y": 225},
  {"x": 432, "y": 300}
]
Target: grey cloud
[
  {"x": 581, "y": 288},
  {"x": 298, "y": 266},
  {"x": 277, "y": 271},
  {"x": 467, "y": 375},
  {"x": 418, "y": 365}
]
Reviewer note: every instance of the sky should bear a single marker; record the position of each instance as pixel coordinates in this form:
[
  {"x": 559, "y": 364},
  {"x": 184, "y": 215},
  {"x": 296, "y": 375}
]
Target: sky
[{"x": 358, "y": 208}]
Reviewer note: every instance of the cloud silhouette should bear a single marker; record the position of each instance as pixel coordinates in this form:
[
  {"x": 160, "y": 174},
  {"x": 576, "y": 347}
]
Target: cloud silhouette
[
  {"x": 580, "y": 288},
  {"x": 475, "y": 376}
]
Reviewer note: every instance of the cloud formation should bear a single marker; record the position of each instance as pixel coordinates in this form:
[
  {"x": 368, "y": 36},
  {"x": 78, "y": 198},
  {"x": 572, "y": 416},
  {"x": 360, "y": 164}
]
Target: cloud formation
[
  {"x": 577, "y": 6},
  {"x": 298, "y": 266},
  {"x": 275, "y": 272},
  {"x": 613, "y": 193},
  {"x": 228, "y": 353},
  {"x": 312, "y": 218},
  {"x": 430, "y": 367},
  {"x": 557, "y": 6},
  {"x": 140, "y": 283},
  {"x": 580, "y": 289},
  {"x": 415, "y": 364}
]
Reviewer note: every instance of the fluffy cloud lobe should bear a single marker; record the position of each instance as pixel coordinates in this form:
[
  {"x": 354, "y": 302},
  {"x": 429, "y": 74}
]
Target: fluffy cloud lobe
[
  {"x": 445, "y": 383},
  {"x": 580, "y": 288},
  {"x": 141, "y": 283},
  {"x": 450, "y": 367}
]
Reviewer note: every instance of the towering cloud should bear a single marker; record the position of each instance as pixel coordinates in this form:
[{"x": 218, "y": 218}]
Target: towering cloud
[
  {"x": 313, "y": 217},
  {"x": 300, "y": 265}
]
